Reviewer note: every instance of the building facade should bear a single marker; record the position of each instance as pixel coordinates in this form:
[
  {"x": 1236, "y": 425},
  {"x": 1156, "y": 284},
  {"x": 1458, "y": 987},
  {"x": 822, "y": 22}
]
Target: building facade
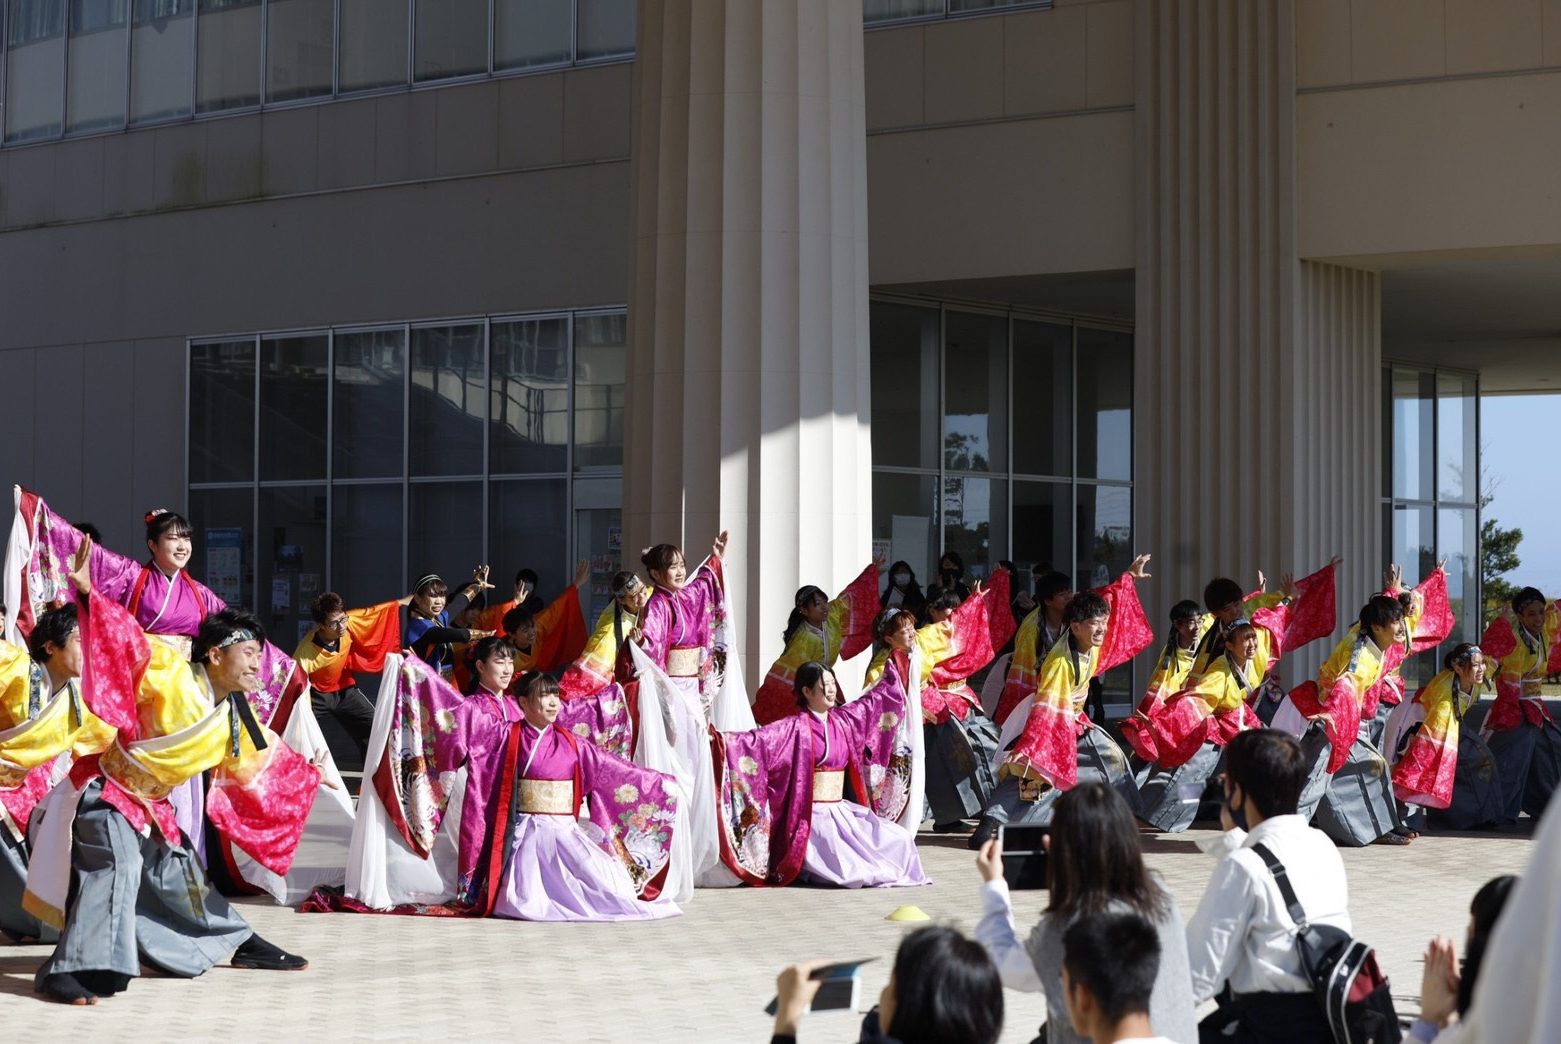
[{"x": 374, "y": 288}]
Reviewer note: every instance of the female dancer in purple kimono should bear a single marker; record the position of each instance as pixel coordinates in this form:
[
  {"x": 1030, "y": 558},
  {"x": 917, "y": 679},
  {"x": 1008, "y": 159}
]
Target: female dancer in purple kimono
[
  {"x": 676, "y": 623},
  {"x": 784, "y": 810}
]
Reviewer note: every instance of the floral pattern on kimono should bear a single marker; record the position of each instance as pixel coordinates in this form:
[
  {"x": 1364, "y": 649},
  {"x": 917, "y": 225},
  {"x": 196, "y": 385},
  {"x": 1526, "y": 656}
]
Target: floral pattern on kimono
[{"x": 847, "y": 631}]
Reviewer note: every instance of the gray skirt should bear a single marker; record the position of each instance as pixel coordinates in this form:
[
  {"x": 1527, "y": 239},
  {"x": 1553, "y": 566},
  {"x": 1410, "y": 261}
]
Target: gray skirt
[
  {"x": 1100, "y": 761},
  {"x": 1355, "y": 805},
  {"x": 960, "y": 780},
  {"x": 1528, "y": 761},
  {"x": 1169, "y": 798}
]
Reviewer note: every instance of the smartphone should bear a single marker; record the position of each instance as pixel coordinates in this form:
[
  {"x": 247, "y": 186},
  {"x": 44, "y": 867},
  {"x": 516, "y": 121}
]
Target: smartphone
[
  {"x": 1024, "y": 856},
  {"x": 840, "y": 991}
]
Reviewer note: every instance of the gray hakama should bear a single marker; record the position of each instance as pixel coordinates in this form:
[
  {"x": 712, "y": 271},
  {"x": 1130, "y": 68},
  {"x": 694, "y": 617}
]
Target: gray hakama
[
  {"x": 1100, "y": 761},
  {"x": 1528, "y": 761},
  {"x": 1379, "y": 722},
  {"x": 960, "y": 778},
  {"x": 1355, "y": 805},
  {"x": 1477, "y": 795},
  {"x": 15, "y": 921},
  {"x": 1169, "y": 798},
  {"x": 138, "y": 899}
]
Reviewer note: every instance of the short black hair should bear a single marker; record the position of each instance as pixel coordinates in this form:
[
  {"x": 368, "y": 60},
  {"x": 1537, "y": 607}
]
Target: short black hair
[
  {"x": 1086, "y": 605},
  {"x": 1269, "y": 768},
  {"x": 1380, "y": 611},
  {"x": 219, "y": 627},
  {"x": 1221, "y": 592},
  {"x": 1526, "y": 597},
  {"x": 517, "y": 618},
  {"x": 888, "y": 620},
  {"x": 1116, "y": 956},
  {"x": 944, "y": 598},
  {"x": 945, "y": 989},
  {"x": 87, "y": 529},
  {"x": 1051, "y": 585},
  {"x": 325, "y": 606},
  {"x": 1186, "y": 609},
  {"x": 527, "y": 576},
  {"x": 54, "y": 626}
]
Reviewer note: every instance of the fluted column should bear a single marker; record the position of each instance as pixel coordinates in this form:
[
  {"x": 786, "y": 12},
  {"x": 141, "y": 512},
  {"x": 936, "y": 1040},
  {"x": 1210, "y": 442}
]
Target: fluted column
[
  {"x": 1257, "y": 374},
  {"x": 748, "y": 353}
]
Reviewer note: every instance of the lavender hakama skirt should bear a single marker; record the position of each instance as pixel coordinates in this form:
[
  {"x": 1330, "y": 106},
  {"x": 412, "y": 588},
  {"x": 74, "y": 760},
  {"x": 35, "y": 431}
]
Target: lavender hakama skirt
[
  {"x": 850, "y": 847},
  {"x": 555, "y": 873}
]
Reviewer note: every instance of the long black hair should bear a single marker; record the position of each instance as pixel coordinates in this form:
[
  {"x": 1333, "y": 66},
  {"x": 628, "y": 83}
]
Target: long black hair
[
  {"x": 911, "y": 595},
  {"x": 809, "y": 675},
  {"x": 1095, "y": 857},
  {"x": 1484, "y": 909},
  {"x": 806, "y": 596},
  {"x": 946, "y": 990}
]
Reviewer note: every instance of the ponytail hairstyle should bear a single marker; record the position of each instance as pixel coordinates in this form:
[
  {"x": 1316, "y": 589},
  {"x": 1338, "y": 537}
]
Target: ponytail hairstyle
[
  {"x": 806, "y": 596},
  {"x": 659, "y": 559},
  {"x": 809, "y": 675}
]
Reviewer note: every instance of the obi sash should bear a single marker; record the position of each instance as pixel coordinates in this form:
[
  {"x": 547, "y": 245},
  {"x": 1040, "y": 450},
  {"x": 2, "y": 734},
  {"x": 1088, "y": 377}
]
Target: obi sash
[
  {"x": 52, "y": 730},
  {"x": 828, "y": 785},
  {"x": 684, "y": 661},
  {"x": 547, "y": 797}
]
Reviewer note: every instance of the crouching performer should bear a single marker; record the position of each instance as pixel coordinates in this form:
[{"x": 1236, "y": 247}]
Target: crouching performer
[{"x": 110, "y": 868}]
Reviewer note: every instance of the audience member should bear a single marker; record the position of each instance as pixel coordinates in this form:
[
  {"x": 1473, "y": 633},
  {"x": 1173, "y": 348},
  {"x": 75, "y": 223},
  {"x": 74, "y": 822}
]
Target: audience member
[
  {"x": 1444, "y": 990},
  {"x": 1109, "y": 965}
]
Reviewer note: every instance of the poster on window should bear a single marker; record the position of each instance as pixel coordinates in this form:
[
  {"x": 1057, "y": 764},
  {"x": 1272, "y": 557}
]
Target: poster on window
[
  {"x": 281, "y": 594},
  {"x": 225, "y": 563}
]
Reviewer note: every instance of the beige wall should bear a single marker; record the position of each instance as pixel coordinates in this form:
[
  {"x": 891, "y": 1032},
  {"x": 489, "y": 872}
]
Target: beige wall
[{"x": 1001, "y": 145}]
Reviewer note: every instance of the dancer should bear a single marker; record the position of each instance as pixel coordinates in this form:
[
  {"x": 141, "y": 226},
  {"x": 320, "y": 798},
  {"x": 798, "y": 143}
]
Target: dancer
[
  {"x": 819, "y": 629},
  {"x": 1428, "y": 621},
  {"x": 1048, "y": 742},
  {"x": 1171, "y": 669},
  {"x": 429, "y": 633},
  {"x": 676, "y": 626},
  {"x": 1037, "y": 634},
  {"x": 604, "y": 660},
  {"x": 960, "y": 740},
  {"x": 1437, "y": 764},
  {"x": 342, "y": 643},
  {"x": 548, "y": 640},
  {"x": 903, "y": 592},
  {"x": 111, "y": 867},
  {"x": 1350, "y": 787},
  {"x": 1522, "y": 735},
  {"x": 43, "y": 724},
  {"x": 782, "y": 786}
]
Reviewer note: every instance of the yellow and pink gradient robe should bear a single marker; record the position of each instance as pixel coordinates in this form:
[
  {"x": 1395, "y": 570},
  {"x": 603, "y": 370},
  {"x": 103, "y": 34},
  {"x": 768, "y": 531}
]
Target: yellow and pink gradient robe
[
  {"x": 601, "y": 662},
  {"x": 847, "y": 631},
  {"x": 1425, "y": 774},
  {"x": 1171, "y": 671},
  {"x": 1425, "y": 627},
  {"x": 1521, "y": 662}
]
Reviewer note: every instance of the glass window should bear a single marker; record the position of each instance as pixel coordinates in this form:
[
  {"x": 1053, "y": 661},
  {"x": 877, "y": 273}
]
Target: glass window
[
  {"x": 1456, "y": 454},
  {"x": 1457, "y": 538},
  {"x": 34, "y": 69},
  {"x": 601, "y": 363},
  {"x": 975, "y": 397},
  {"x": 96, "y": 94},
  {"x": 529, "y": 33},
  {"x": 599, "y": 540},
  {"x": 905, "y": 516},
  {"x": 1043, "y": 525},
  {"x": 965, "y": 6},
  {"x": 368, "y": 409},
  {"x": 526, "y": 530},
  {"x": 227, "y": 55},
  {"x": 904, "y": 359},
  {"x": 224, "y": 522},
  {"x": 222, "y": 411},
  {"x": 290, "y": 569},
  {"x": 1105, "y": 398},
  {"x": 1413, "y": 398},
  {"x": 452, "y": 39},
  {"x": 373, "y": 44},
  {"x": 366, "y": 543},
  {"x": 975, "y": 520},
  {"x": 444, "y": 531},
  {"x": 1105, "y": 531},
  {"x": 299, "y": 48},
  {"x": 1413, "y": 540},
  {"x": 1043, "y": 398},
  {"x": 293, "y": 406},
  {"x": 894, "y": 10},
  {"x": 449, "y": 383},
  {"x": 162, "y": 46},
  {"x": 528, "y": 415},
  {"x": 606, "y": 28}
]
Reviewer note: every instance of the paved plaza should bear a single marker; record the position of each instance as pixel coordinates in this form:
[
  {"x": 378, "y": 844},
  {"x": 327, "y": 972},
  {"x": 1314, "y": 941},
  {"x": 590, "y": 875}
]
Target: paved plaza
[{"x": 702, "y": 977}]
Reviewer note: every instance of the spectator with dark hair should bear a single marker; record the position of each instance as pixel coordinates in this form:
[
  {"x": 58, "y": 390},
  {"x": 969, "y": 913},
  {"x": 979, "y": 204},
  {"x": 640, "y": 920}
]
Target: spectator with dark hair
[
  {"x": 903, "y": 591},
  {"x": 1241, "y": 936},
  {"x": 943, "y": 990},
  {"x": 951, "y": 574},
  {"x": 1444, "y": 989},
  {"x": 342, "y": 643},
  {"x": 1109, "y": 966},
  {"x": 1095, "y": 865}
]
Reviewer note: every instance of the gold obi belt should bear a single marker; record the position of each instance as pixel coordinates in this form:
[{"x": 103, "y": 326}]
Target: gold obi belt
[
  {"x": 683, "y": 661},
  {"x": 123, "y": 769},
  {"x": 829, "y": 785},
  {"x": 11, "y": 775},
  {"x": 547, "y": 797}
]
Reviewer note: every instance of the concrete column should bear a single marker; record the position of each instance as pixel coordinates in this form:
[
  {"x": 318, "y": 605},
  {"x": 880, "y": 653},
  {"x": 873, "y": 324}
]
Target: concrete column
[
  {"x": 1257, "y": 374},
  {"x": 748, "y": 352}
]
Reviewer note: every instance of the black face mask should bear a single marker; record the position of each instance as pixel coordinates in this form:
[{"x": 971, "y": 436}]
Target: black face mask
[{"x": 1238, "y": 814}]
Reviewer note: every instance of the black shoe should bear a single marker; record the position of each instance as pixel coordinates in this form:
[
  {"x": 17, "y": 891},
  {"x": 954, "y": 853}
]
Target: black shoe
[
  {"x": 986, "y": 831},
  {"x": 959, "y": 826},
  {"x": 104, "y": 983},
  {"x": 65, "y": 988},
  {"x": 1390, "y": 838},
  {"x": 257, "y": 953}
]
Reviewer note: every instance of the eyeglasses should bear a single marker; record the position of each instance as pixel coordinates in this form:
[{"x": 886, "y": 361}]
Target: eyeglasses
[{"x": 336, "y": 623}]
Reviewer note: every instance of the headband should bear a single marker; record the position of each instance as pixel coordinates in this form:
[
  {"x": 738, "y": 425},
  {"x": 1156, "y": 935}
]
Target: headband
[
  {"x": 243, "y": 634},
  {"x": 430, "y": 578},
  {"x": 629, "y": 586}
]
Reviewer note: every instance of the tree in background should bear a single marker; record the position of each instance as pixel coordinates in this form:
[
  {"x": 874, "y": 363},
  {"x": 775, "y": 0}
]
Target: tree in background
[{"x": 1498, "y": 557}]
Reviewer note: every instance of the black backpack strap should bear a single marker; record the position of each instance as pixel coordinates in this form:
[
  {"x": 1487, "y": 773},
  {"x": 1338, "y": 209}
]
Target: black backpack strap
[{"x": 1282, "y": 879}]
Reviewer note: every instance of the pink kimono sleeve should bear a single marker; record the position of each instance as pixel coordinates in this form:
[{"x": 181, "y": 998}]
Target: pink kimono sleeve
[{"x": 1127, "y": 630}]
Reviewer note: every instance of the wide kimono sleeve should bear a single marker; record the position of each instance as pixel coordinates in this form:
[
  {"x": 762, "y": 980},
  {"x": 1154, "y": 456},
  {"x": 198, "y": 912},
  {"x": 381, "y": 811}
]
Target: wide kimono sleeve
[
  {"x": 1048, "y": 746},
  {"x": 1354, "y": 669},
  {"x": 1426, "y": 772},
  {"x": 560, "y": 632},
  {"x": 593, "y": 669},
  {"x": 1127, "y": 628},
  {"x": 1312, "y": 615},
  {"x": 880, "y": 725},
  {"x": 961, "y": 645},
  {"x": 656, "y": 628},
  {"x": 376, "y": 634},
  {"x": 849, "y": 628},
  {"x": 764, "y": 799},
  {"x": 1020, "y": 681},
  {"x": 601, "y": 719},
  {"x": 260, "y": 798},
  {"x": 634, "y": 811}
]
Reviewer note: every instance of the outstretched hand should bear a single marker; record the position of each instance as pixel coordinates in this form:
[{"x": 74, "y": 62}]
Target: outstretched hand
[
  {"x": 989, "y": 861},
  {"x": 718, "y": 545},
  {"x": 1393, "y": 578},
  {"x": 1262, "y": 582},
  {"x": 480, "y": 578},
  {"x": 319, "y": 761},
  {"x": 1138, "y": 570},
  {"x": 81, "y": 566},
  {"x": 582, "y": 573},
  {"x": 1288, "y": 585}
]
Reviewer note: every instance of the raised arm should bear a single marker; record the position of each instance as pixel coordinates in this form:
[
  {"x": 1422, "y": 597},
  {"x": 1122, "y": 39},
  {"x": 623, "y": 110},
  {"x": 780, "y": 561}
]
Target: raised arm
[{"x": 851, "y": 614}]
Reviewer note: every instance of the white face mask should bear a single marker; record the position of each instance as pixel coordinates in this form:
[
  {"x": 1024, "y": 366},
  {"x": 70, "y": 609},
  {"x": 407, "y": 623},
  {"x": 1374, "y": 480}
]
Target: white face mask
[{"x": 901, "y": 579}]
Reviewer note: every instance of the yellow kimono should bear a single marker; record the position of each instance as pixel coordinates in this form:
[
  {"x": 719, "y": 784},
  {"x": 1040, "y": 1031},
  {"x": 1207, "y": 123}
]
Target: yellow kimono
[
  {"x": 1522, "y": 663},
  {"x": 596, "y": 666},
  {"x": 36, "y": 727},
  {"x": 847, "y": 630}
]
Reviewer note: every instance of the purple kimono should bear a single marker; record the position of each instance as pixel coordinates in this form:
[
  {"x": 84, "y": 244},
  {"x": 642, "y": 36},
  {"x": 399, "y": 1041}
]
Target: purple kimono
[{"x": 781, "y": 789}]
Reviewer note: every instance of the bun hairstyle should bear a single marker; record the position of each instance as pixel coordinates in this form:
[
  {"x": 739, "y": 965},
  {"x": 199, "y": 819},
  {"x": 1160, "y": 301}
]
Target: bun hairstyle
[
  {"x": 809, "y": 675},
  {"x": 660, "y": 558},
  {"x": 160, "y": 522},
  {"x": 806, "y": 596}
]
